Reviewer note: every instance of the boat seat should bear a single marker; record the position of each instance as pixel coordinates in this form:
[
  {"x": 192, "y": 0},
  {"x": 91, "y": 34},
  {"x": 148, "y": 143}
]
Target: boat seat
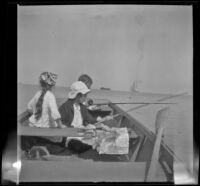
[
  {"x": 34, "y": 131},
  {"x": 82, "y": 171}
]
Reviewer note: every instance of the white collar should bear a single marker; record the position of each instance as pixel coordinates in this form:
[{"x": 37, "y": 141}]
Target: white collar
[{"x": 76, "y": 107}]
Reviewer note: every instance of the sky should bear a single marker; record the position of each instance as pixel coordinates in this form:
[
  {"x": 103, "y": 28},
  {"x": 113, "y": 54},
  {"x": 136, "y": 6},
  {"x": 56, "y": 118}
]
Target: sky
[{"x": 150, "y": 46}]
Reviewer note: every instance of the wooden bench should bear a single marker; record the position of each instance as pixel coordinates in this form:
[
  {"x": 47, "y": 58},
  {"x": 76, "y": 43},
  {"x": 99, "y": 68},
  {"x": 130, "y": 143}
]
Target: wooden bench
[
  {"x": 34, "y": 131},
  {"x": 81, "y": 171}
]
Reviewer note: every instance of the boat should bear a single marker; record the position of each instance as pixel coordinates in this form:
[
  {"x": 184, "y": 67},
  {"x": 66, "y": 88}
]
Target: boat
[
  {"x": 104, "y": 88},
  {"x": 148, "y": 157}
]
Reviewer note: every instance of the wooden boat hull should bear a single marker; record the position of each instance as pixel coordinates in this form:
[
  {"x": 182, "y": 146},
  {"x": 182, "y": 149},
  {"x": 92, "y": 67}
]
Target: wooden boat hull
[{"x": 143, "y": 143}]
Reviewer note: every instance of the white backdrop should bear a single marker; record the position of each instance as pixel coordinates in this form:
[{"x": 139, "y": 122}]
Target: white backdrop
[{"x": 115, "y": 44}]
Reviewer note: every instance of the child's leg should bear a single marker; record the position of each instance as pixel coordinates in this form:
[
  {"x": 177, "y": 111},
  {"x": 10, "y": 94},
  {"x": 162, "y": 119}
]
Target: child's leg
[
  {"x": 27, "y": 142},
  {"x": 78, "y": 147}
]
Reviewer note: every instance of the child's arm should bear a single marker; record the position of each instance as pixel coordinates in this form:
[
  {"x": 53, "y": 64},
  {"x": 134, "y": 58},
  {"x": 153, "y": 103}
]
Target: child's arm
[
  {"x": 30, "y": 105},
  {"x": 59, "y": 124},
  {"x": 54, "y": 111}
]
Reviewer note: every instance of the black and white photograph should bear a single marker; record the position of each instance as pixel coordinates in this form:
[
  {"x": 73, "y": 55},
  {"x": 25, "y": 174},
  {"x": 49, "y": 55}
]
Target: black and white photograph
[{"x": 105, "y": 94}]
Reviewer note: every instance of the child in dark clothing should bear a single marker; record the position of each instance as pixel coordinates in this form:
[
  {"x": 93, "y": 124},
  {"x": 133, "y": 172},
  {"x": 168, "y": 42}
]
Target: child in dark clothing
[{"x": 75, "y": 114}]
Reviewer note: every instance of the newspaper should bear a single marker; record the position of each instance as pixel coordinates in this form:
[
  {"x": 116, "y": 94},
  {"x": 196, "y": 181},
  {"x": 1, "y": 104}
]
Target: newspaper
[{"x": 112, "y": 141}]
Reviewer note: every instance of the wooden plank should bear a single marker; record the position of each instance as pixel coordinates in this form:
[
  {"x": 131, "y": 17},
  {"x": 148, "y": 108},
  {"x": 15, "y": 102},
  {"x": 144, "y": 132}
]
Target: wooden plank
[
  {"x": 160, "y": 121},
  {"x": 63, "y": 171},
  {"x": 70, "y": 132},
  {"x": 34, "y": 131},
  {"x": 133, "y": 158}
]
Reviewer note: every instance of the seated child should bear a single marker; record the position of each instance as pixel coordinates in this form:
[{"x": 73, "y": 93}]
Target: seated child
[
  {"x": 43, "y": 105},
  {"x": 88, "y": 82},
  {"x": 75, "y": 114},
  {"x": 44, "y": 110},
  {"x": 86, "y": 79}
]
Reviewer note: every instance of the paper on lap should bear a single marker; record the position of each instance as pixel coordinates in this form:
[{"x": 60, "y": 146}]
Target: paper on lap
[
  {"x": 107, "y": 141},
  {"x": 114, "y": 141},
  {"x": 118, "y": 145}
]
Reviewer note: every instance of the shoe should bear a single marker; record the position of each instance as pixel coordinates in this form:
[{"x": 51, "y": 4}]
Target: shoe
[
  {"x": 38, "y": 151},
  {"x": 63, "y": 142}
]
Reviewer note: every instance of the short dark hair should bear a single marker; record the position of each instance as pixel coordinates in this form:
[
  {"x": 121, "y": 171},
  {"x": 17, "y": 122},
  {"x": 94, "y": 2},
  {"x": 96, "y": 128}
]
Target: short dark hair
[{"x": 85, "y": 78}]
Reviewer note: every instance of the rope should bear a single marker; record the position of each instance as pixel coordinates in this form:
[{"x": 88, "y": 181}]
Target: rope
[{"x": 118, "y": 103}]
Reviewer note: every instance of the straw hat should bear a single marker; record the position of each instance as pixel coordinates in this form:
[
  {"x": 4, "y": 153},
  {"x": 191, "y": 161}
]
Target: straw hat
[{"x": 77, "y": 87}]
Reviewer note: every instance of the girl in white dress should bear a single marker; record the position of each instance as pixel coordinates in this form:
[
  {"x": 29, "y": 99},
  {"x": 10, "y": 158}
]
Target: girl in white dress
[
  {"x": 43, "y": 105},
  {"x": 44, "y": 112}
]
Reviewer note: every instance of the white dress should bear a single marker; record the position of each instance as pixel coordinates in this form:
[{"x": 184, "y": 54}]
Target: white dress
[{"x": 49, "y": 110}]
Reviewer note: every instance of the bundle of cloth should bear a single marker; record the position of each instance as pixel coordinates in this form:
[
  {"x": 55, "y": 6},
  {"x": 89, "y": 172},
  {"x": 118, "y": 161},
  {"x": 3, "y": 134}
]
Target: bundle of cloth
[{"x": 107, "y": 140}]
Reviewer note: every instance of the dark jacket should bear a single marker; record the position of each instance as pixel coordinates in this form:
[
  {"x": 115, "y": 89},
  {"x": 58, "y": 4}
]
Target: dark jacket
[{"x": 67, "y": 114}]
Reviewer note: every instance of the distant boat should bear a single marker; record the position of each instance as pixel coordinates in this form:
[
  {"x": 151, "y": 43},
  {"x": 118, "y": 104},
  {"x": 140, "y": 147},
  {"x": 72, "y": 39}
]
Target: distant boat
[{"x": 103, "y": 88}]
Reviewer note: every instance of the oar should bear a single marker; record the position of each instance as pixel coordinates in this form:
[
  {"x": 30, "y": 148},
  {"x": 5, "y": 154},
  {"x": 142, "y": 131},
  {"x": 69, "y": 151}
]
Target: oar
[
  {"x": 162, "y": 99},
  {"x": 119, "y": 103},
  {"x": 160, "y": 125}
]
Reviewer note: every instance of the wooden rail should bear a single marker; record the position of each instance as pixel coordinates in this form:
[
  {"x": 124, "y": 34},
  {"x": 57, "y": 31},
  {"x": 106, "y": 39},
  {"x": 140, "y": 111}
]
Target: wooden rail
[
  {"x": 160, "y": 124},
  {"x": 81, "y": 171}
]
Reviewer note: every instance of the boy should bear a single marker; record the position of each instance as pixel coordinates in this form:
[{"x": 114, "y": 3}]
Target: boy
[{"x": 88, "y": 81}]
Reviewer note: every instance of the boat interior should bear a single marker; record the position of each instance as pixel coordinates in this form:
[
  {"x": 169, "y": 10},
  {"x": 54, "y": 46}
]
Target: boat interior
[{"x": 141, "y": 146}]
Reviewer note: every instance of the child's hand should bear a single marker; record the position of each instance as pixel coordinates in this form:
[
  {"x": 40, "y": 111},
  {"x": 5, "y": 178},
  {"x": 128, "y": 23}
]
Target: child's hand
[
  {"x": 61, "y": 126},
  {"x": 106, "y": 128},
  {"x": 92, "y": 107},
  {"x": 89, "y": 126},
  {"x": 107, "y": 118},
  {"x": 98, "y": 125},
  {"x": 88, "y": 135}
]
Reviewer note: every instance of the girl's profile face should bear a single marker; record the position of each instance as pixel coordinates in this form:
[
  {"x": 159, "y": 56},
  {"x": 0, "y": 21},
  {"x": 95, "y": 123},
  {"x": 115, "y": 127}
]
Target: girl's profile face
[{"x": 82, "y": 98}]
